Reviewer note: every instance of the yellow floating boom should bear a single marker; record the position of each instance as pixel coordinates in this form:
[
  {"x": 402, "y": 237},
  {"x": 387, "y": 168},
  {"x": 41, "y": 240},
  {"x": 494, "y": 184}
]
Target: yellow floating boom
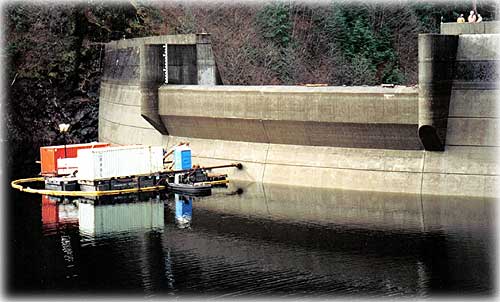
[{"x": 16, "y": 184}]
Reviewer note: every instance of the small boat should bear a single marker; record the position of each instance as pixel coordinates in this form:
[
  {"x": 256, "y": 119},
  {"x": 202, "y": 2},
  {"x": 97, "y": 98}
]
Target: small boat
[{"x": 190, "y": 189}]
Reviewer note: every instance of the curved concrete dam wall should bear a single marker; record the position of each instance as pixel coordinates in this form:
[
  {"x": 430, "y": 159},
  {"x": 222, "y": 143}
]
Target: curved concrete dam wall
[{"x": 355, "y": 138}]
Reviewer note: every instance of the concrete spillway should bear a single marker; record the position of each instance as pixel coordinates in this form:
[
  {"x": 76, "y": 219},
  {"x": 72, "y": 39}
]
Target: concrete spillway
[
  {"x": 356, "y": 138},
  {"x": 354, "y": 117}
]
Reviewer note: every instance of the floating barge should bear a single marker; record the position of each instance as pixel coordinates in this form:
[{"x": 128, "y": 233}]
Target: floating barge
[{"x": 98, "y": 169}]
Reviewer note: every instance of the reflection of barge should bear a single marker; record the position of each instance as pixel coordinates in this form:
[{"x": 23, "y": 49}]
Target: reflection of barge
[
  {"x": 106, "y": 214},
  {"x": 98, "y": 169}
]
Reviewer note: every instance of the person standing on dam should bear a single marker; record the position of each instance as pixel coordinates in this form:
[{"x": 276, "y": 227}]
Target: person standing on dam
[
  {"x": 461, "y": 19},
  {"x": 472, "y": 17}
]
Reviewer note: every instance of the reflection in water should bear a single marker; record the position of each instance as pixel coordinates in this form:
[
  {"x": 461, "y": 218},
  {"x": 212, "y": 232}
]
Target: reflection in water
[
  {"x": 56, "y": 210},
  {"x": 268, "y": 240},
  {"x": 113, "y": 215},
  {"x": 313, "y": 206},
  {"x": 183, "y": 210},
  {"x": 417, "y": 244}
]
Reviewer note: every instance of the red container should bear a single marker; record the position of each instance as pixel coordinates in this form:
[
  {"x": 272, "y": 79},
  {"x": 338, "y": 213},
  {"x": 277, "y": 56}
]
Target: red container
[{"x": 50, "y": 154}]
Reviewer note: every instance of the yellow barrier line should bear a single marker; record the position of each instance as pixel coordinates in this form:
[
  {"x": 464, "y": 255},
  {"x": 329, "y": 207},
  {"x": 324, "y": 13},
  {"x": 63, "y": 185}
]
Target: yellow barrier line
[
  {"x": 16, "y": 185},
  {"x": 216, "y": 182}
]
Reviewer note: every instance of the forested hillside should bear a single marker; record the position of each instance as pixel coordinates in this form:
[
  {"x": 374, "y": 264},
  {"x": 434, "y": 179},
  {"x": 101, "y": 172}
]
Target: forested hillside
[{"x": 53, "y": 51}]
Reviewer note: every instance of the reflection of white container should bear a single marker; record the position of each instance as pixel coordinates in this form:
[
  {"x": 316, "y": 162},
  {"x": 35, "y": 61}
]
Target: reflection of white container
[
  {"x": 67, "y": 212},
  {"x": 120, "y": 161},
  {"x": 121, "y": 217}
]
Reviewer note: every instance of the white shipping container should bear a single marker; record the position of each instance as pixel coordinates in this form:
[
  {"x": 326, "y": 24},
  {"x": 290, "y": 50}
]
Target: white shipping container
[
  {"x": 67, "y": 165},
  {"x": 101, "y": 163}
]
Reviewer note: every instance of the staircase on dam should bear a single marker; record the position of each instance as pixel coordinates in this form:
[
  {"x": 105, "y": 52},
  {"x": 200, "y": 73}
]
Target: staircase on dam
[{"x": 440, "y": 138}]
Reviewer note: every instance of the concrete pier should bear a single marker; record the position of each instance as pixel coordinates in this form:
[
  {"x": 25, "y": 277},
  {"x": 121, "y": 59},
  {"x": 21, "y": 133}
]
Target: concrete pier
[{"x": 436, "y": 60}]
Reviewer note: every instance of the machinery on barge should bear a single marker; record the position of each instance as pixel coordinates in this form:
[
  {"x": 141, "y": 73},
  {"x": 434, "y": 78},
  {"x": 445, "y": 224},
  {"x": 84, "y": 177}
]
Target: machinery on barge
[{"x": 100, "y": 169}]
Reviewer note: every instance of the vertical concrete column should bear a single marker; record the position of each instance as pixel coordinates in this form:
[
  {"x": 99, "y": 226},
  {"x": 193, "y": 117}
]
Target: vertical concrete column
[
  {"x": 436, "y": 60},
  {"x": 205, "y": 61},
  {"x": 151, "y": 77}
]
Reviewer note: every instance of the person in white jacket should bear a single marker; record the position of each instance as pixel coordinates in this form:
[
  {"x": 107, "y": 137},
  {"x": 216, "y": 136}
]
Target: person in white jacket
[{"x": 472, "y": 17}]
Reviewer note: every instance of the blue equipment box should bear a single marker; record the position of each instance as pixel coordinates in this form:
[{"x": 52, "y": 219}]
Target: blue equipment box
[{"x": 182, "y": 158}]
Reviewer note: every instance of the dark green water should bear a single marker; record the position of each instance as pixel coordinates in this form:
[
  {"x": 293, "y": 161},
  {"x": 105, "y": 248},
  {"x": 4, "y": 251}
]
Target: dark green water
[{"x": 268, "y": 241}]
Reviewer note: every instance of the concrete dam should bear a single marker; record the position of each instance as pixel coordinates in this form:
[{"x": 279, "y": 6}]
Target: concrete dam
[{"x": 439, "y": 138}]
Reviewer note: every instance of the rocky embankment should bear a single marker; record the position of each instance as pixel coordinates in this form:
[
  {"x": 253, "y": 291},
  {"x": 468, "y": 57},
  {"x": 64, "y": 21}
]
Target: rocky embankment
[{"x": 34, "y": 118}]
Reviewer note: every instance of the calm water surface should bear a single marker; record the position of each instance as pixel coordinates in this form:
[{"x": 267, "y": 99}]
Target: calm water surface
[{"x": 260, "y": 241}]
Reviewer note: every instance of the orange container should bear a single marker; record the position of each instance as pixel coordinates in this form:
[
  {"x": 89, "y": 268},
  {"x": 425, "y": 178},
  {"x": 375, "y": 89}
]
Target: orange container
[{"x": 50, "y": 154}]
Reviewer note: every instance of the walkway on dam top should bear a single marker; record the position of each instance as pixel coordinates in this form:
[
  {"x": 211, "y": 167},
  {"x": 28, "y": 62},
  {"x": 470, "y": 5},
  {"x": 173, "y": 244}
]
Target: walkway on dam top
[{"x": 283, "y": 88}]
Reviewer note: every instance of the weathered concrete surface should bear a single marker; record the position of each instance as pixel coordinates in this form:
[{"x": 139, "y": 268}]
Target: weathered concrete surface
[
  {"x": 474, "y": 103},
  {"x": 207, "y": 73},
  {"x": 151, "y": 77},
  {"x": 473, "y": 119},
  {"x": 120, "y": 118},
  {"x": 457, "y": 171},
  {"x": 458, "y": 89},
  {"x": 436, "y": 61},
  {"x": 476, "y": 65},
  {"x": 364, "y": 117},
  {"x": 121, "y": 66},
  {"x": 141, "y": 62},
  {"x": 305, "y": 136},
  {"x": 182, "y": 66},
  {"x": 453, "y": 28},
  {"x": 186, "y": 39},
  {"x": 322, "y": 104}
]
